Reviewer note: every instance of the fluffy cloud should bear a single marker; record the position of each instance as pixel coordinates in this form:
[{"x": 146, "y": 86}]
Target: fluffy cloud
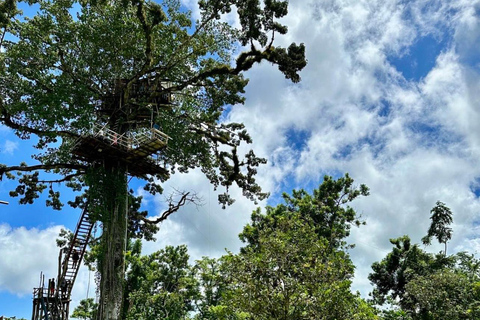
[
  {"x": 413, "y": 142},
  {"x": 9, "y": 147},
  {"x": 204, "y": 227},
  {"x": 26, "y": 252}
]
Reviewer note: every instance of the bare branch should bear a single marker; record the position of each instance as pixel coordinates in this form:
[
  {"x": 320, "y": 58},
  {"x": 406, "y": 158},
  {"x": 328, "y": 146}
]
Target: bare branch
[
  {"x": 173, "y": 207},
  {"x": 66, "y": 178}
]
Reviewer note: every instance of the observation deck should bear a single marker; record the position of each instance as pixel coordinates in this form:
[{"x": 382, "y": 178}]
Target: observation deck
[{"x": 132, "y": 148}]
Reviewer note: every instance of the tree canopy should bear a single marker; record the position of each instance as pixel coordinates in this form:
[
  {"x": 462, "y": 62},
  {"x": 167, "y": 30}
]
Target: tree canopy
[
  {"x": 77, "y": 63},
  {"x": 425, "y": 286},
  {"x": 326, "y": 207}
]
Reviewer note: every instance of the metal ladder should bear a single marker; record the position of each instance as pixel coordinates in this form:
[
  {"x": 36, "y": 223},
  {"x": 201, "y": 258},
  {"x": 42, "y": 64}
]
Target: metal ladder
[{"x": 79, "y": 244}]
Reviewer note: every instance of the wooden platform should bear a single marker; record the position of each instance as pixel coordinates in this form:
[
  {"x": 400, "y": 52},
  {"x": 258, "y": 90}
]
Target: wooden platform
[
  {"x": 48, "y": 306},
  {"x": 133, "y": 150}
]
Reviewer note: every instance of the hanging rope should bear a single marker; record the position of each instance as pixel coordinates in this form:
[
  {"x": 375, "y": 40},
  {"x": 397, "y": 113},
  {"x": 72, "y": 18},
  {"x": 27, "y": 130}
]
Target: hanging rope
[
  {"x": 90, "y": 270},
  {"x": 126, "y": 223}
]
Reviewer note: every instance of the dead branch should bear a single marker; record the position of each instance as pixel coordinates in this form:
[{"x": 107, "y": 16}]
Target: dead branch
[{"x": 174, "y": 206}]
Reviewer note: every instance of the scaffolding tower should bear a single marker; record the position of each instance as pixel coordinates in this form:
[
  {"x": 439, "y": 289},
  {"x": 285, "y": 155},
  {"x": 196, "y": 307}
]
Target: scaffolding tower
[{"x": 52, "y": 302}]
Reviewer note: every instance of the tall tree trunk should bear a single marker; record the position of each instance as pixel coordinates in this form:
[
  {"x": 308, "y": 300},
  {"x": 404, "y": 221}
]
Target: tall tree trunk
[{"x": 110, "y": 200}]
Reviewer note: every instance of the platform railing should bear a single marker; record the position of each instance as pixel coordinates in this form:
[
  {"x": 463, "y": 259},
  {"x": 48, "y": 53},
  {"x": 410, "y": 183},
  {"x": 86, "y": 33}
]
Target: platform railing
[{"x": 130, "y": 140}]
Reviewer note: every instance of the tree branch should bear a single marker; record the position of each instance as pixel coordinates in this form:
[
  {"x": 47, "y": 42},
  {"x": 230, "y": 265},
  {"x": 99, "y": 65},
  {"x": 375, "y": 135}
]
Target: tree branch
[
  {"x": 6, "y": 119},
  {"x": 66, "y": 178},
  {"x": 64, "y": 67},
  {"x": 244, "y": 62},
  {"x": 5, "y": 169},
  {"x": 173, "y": 207}
]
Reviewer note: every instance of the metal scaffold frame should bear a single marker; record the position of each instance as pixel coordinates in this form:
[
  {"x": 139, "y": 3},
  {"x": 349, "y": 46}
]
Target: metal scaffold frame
[{"x": 52, "y": 302}]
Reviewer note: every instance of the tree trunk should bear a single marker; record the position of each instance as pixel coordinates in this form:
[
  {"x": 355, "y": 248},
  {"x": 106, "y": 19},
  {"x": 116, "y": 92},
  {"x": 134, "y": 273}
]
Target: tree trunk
[{"x": 110, "y": 200}]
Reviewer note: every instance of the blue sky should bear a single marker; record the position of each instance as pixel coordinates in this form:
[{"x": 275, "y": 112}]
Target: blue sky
[{"x": 391, "y": 94}]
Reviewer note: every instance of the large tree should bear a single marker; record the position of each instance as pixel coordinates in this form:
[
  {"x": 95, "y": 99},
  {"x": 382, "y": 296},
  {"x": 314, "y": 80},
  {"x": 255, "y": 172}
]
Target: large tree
[
  {"x": 292, "y": 273},
  {"x": 404, "y": 263},
  {"x": 295, "y": 264},
  {"x": 81, "y": 71}
]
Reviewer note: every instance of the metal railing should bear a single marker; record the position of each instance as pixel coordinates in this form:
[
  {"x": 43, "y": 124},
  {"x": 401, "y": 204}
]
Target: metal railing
[{"x": 129, "y": 140}]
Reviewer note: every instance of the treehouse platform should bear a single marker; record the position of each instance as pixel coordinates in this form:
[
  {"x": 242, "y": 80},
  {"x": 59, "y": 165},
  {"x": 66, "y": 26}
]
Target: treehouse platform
[{"x": 133, "y": 149}]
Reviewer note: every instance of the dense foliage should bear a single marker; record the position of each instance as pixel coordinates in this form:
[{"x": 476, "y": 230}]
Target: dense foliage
[
  {"x": 288, "y": 270},
  {"x": 67, "y": 66},
  {"x": 423, "y": 286}
]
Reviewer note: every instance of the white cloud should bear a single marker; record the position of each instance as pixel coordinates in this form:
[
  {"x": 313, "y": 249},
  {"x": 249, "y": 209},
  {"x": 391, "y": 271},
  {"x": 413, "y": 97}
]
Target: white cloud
[
  {"x": 9, "y": 147},
  {"x": 206, "y": 229},
  {"x": 25, "y": 253},
  {"x": 412, "y": 143}
]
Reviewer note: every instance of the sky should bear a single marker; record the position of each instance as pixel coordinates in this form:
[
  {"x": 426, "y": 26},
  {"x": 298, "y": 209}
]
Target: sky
[{"x": 391, "y": 95}]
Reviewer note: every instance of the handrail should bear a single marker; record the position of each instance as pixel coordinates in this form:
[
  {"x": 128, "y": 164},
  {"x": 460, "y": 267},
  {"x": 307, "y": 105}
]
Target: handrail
[{"x": 131, "y": 140}]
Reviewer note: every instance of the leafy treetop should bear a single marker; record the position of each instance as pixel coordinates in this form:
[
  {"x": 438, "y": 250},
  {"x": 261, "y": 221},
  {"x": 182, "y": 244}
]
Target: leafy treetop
[
  {"x": 439, "y": 228},
  {"x": 76, "y": 63},
  {"x": 327, "y": 208}
]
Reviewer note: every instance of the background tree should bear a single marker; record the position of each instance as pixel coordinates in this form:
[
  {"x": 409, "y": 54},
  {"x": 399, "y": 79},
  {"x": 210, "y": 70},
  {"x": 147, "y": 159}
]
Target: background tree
[
  {"x": 394, "y": 314},
  {"x": 327, "y": 208},
  {"x": 288, "y": 268},
  {"x": 423, "y": 286},
  {"x": 166, "y": 286},
  {"x": 405, "y": 262},
  {"x": 446, "y": 294},
  {"x": 86, "y": 310},
  {"x": 79, "y": 63},
  {"x": 211, "y": 277},
  {"x": 289, "y": 271},
  {"x": 439, "y": 228}
]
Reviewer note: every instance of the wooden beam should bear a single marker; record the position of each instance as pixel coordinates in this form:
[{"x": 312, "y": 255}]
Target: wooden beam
[{"x": 3, "y": 202}]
